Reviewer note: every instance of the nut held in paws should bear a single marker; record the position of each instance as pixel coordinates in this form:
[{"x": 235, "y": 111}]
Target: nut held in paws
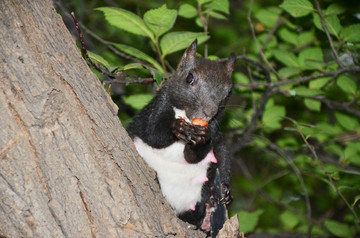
[{"x": 199, "y": 122}]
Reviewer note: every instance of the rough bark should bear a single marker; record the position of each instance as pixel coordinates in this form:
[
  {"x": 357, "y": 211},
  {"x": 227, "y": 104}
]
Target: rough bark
[{"x": 67, "y": 166}]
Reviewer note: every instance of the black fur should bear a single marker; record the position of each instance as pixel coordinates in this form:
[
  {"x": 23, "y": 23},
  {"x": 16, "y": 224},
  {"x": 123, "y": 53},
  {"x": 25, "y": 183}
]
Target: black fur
[{"x": 203, "y": 94}]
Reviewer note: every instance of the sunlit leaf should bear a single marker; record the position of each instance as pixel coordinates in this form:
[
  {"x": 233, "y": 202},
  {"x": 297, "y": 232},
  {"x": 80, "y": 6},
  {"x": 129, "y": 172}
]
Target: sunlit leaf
[
  {"x": 220, "y": 6},
  {"x": 98, "y": 59},
  {"x": 351, "y": 33},
  {"x": 356, "y": 199},
  {"x": 249, "y": 220},
  {"x": 175, "y": 41},
  {"x": 188, "y": 11},
  {"x": 126, "y": 20},
  {"x": 288, "y": 72},
  {"x": 338, "y": 229},
  {"x": 160, "y": 20},
  {"x": 312, "y": 104},
  {"x": 297, "y": 8},
  {"x": 346, "y": 84},
  {"x": 334, "y": 9},
  {"x": 273, "y": 114},
  {"x": 289, "y": 219},
  {"x": 305, "y": 38},
  {"x": 319, "y": 83},
  {"x": 287, "y": 58},
  {"x": 138, "y": 54},
  {"x": 268, "y": 16},
  {"x": 138, "y": 101},
  {"x": 288, "y": 36},
  {"x": 332, "y": 24},
  {"x": 311, "y": 58},
  {"x": 307, "y": 92},
  {"x": 346, "y": 121}
]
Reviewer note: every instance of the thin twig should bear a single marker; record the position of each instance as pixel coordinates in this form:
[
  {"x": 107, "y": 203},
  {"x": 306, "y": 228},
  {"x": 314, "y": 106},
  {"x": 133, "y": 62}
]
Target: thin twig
[
  {"x": 280, "y": 21},
  {"x": 246, "y": 137},
  {"x": 243, "y": 167},
  {"x": 323, "y": 24},
  {"x": 84, "y": 48},
  {"x": 300, "y": 178},
  {"x": 110, "y": 78},
  {"x": 135, "y": 80},
  {"x": 257, "y": 43},
  {"x": 301, "y": 79},
  {"x": 330, "y": 104},
  {"x": 311, "y": 148}
]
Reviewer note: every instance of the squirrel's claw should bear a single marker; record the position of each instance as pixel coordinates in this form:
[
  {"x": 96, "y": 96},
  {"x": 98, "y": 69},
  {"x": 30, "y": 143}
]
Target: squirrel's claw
[{"x": 191, "y": 134}]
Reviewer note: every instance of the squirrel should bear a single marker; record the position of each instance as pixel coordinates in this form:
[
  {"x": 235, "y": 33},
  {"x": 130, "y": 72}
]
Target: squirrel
[{"x": 191, "y": 161}]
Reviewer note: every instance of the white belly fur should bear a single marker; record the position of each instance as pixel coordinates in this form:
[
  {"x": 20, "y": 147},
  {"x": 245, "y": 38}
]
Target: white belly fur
[{"x": 180, "y": 181}]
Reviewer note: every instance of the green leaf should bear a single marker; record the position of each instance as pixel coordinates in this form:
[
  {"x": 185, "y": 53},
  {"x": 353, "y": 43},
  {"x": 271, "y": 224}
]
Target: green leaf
[
  {"x": 220, "y": 6},
  {"x": 312, "y": 104},
  {"x": 273, "y": 115},
  {"x": 175, "y": 41},
  {"x": 249, "y": 220},
  {"x": 351, "y": 33},
  {"x": 217, "y": 15},
  {"x": 289, "y": 219},
  {"x": 187, "y": 11},
  {"x": 160, "y": 20},
  {"x": 270, "y": 45},
  {"x": 334, "y": 9},
  {"x": 138, "y": 54},
  {"x": 157, "y": 76},
  {"x": 287, "y": 58},
  {"x": 332, "y": 23},
  {"x": 346, "y": 121},
  {"x": 98, "y": 59},
  {"x": 138, "y": 101},
  {"x": 352, "y": 153},
  {"x": 307, "y": 92},
  {"x": 268, "y": 16},
  {"x": 356, "y": 199},
  {"x": 129, "y": 67},
  {"x": 311, "y": 58},
  {"x": 202, "y": 2},
  {"x": 288, "y": 72},
  {"x": 240, "y": 78},
  {"x": 305, "y": 38},
  {"x": 338, "y": 229},
  {"x": 318, "y": 83},
  {"x": 297, "y": 8},
  {"x": 288, "y": 36},
  {"x": 346, "y": 84},
  {"x": 127, "y": 21}
]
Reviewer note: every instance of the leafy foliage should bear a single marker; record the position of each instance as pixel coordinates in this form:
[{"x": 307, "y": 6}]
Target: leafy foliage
[{"x": 298, "y": 170}]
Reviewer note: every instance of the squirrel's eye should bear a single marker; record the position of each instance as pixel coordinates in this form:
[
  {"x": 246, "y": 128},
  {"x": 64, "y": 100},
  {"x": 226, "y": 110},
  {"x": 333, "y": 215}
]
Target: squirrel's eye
[
  {"x": 190, "y": 78},
  {"x": 229, "y": 93}
]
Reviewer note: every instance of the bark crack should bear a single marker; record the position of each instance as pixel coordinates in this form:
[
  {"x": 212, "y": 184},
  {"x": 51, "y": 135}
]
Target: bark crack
[
  {"x": 22, "y": 127},
  {"x": 88, "y": 212}
]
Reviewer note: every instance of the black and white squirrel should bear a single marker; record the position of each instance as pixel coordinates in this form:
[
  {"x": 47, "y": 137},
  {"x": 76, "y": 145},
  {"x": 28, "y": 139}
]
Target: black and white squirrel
[{"x": 187, "y": 157}]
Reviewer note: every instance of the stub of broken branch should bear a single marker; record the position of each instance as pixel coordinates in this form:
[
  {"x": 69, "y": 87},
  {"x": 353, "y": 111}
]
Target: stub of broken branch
[{"x": 231, "y": 229}]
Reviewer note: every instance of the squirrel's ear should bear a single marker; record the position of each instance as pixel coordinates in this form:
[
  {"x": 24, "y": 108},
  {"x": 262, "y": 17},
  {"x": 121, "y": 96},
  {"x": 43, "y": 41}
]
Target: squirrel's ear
[
  {"x": 188, "y": 57},
  {"x": 230, "y": 63}
]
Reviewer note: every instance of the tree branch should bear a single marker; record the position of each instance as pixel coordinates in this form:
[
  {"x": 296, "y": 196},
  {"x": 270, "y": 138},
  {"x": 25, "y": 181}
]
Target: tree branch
[
  {"x": 311, "y": 148},
  {"x": 323, "y": 24},
  {"x": 301, "y": 79}
]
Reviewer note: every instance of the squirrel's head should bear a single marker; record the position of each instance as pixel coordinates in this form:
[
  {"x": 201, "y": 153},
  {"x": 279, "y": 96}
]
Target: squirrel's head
[{"x": 200, "y": 86}]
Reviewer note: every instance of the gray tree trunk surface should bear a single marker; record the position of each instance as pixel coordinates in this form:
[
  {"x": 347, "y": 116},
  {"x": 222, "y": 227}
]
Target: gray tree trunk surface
[{"x": 67, "y": 166}]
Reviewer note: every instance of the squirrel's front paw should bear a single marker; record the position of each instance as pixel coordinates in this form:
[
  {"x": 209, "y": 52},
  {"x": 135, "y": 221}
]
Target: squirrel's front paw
[{"x": 189, "y": 133}]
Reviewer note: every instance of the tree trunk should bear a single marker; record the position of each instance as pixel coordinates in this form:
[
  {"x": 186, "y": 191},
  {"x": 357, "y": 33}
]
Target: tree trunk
[{"x": 67, "y": 166}]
